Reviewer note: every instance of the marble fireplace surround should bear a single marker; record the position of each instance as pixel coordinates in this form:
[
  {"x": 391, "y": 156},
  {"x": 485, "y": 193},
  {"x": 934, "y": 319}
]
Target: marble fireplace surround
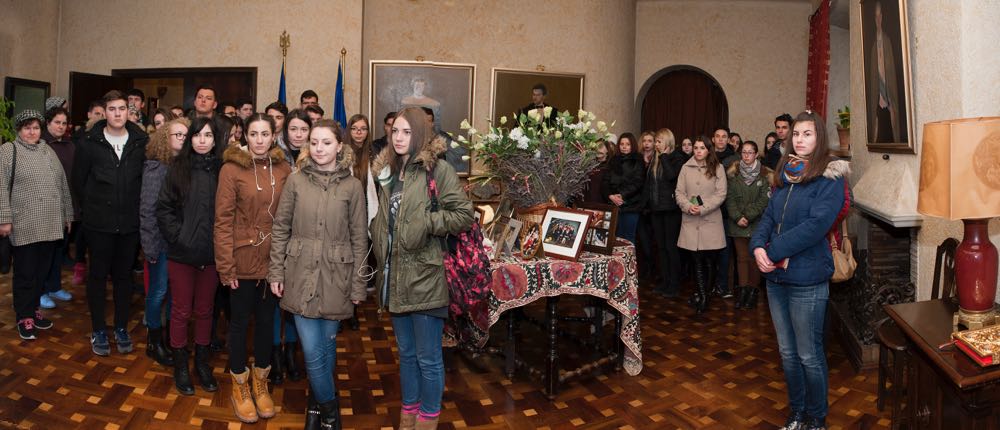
[{"x": 888, "y": 191}]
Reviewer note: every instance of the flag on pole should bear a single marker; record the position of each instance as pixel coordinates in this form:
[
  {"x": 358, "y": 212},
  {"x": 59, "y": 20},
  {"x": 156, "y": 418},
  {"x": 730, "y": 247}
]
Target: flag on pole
[
  {"x": 339, "y": 110},
  {"x": 281, "y": 84}
]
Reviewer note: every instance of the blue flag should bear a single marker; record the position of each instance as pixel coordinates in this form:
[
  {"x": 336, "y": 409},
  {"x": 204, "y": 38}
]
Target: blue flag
[
  {"x": 281, "y": 84},
  {"x": 339, "y": 111}
]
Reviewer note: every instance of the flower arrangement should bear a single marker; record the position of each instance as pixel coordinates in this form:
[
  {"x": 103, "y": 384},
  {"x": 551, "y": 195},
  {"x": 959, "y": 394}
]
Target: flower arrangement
[
  {"x": 539, "y": 160},
  {"x": 844, "y": 117}
]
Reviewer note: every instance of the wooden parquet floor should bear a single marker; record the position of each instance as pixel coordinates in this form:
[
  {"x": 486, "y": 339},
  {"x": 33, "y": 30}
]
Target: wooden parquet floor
[{"x": 719, "y": 371}]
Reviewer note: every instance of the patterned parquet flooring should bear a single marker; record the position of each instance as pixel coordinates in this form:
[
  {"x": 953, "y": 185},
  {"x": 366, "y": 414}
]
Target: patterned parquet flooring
[{"x": 718, "y": 371}]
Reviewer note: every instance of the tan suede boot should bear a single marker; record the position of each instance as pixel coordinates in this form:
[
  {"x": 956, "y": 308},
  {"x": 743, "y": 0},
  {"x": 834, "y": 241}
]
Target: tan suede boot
[
  {"x": 427, "y": 425},
  {"x": 265, "y": 405},
  {"x": 407, "y": 421},
  {"x": 242, "y": 400}
]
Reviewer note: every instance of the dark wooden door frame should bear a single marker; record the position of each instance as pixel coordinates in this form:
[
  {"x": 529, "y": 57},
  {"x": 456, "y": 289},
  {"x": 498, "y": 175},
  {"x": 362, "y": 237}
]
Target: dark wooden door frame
[{"x": 182, "y": 72}]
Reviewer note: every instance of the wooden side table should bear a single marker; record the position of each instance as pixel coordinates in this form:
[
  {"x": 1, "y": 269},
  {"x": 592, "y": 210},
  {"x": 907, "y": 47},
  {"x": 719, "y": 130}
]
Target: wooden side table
[{"x": 945, "y": 388}]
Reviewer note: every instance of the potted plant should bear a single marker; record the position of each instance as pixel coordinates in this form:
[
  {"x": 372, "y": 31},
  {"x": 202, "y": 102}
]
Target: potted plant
[
  {"x": 7, "y": 133},
  {"x": 844, "y": 128}
]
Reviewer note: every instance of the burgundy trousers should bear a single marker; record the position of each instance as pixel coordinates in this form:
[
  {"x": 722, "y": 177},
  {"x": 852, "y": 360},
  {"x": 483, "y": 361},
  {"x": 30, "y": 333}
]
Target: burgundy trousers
[{"x": 192, "y": 291}]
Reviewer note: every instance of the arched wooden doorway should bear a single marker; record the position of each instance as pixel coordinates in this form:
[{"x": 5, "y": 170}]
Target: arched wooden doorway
[{"x": 686, "y": 100}]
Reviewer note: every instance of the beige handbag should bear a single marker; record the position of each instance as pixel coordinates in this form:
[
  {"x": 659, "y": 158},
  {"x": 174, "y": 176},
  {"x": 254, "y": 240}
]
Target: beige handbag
[{"x": 843, "y": 257}]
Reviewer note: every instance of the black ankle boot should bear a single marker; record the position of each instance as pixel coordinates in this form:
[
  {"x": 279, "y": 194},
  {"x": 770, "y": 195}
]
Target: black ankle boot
[
  {"x": 751, "y": 301},
  {"x": 312, "y": 414},
  {"x": 353, "y": 322},
  {"x": 277, "y": 375},
  {"x": 329, "y": 415},
  {"x": 182, "y": 376},
  {"x": 741, "y": 297},
  {"x": 155, "y": 348},
  {"x": 291, "y": 364},
  {"x": 202, "y": 354},
  {"x": 701, "y": 278}
]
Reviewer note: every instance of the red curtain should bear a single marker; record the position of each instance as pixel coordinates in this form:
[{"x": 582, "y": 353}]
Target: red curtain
[
  {"x": 688, "y": 102},
  {"x": 818, "y": 79}
]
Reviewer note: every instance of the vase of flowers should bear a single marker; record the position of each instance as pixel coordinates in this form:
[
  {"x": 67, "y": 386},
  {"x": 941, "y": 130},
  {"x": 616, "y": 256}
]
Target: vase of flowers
[
  {"x": 539, "y": 161},
  {"x": 844, "y": 128}
]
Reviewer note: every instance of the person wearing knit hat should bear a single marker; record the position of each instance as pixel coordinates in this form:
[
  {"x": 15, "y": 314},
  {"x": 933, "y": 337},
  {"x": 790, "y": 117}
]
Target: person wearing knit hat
[
  {"x": 54, "y": 102},
  {"x": 32, "y": 215}
]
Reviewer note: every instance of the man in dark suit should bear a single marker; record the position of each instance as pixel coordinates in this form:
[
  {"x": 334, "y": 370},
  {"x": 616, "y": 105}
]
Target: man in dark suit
[{"x": 538, "y": 94}]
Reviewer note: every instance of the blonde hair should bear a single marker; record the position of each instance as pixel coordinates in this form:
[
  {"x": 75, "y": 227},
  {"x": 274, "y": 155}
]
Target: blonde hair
[
  {"x": 668, "y": 137},
  {"x": 159, "y": 141}
]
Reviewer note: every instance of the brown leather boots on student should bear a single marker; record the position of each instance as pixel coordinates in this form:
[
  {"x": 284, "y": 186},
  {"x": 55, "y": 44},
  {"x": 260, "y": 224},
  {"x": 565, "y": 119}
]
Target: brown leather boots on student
[{"x": 258, "y": 404}]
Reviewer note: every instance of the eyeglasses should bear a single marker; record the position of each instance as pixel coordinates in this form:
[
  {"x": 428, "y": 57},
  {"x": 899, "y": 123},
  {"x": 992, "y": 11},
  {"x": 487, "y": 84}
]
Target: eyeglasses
[
  {"x": 178, "y": 136},
  {"x": 359, "y": 128}
]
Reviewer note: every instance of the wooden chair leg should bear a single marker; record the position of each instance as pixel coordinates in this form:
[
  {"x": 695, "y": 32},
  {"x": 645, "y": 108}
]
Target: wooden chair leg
[
  {"x": 897, "y": 387},
  {"x": 883, "y": 359}
]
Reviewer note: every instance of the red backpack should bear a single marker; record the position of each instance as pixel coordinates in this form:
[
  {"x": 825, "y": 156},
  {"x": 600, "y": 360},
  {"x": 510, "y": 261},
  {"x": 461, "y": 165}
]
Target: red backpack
[{"x": 468, "y": 274}]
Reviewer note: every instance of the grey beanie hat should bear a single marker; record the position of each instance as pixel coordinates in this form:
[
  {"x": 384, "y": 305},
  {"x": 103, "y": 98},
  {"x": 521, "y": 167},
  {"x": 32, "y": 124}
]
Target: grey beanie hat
[
  {"x": 26, "y": 115},
  {"x": 54, "y": 101}
]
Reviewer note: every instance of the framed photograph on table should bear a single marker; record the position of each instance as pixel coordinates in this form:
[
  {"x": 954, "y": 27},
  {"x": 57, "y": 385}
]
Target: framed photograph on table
[
  {"x": 447, "y": 89},
  {"x": 531, "y": 240},
  {"x": 563, "y": 231},
  {"x": 511, "y": 91},
  {"x": 603, "y": 219},
  {"x": 888, "y": 100}
]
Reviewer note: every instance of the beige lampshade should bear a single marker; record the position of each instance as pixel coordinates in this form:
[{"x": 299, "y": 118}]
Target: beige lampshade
[{"x": 960, "y": 169}]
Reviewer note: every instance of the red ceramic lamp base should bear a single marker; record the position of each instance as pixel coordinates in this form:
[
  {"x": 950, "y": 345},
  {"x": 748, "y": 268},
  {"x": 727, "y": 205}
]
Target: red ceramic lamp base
[{"x": 976, "y": 275}]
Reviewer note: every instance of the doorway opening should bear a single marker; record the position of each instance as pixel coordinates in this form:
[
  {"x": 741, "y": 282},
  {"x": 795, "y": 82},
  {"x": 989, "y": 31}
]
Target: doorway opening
[{"x": 685, "y": 99}]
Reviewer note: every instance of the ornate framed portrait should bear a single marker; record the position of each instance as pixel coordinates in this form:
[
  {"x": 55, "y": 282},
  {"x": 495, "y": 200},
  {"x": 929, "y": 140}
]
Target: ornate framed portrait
[
  {"x": 511, "y": 91},
  {"x": 888, "y": 99},
  {"x": 446, "y": 89}
]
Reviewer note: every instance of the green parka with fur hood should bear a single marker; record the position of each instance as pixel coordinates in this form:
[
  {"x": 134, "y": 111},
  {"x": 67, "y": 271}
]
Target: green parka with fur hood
[{"x": 416, "y": 276}]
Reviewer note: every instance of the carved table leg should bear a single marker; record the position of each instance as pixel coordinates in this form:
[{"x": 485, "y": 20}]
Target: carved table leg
[
  {"x": 598, "y": 328},
  {"x": 551, "y": 370},
  {"x": 619, "y": 344},
  {"x": 510, "y": 348}
]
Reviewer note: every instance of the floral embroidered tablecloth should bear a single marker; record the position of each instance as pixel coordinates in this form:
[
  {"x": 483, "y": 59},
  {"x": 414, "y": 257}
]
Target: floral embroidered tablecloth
[{"x": 517, "y": 282}]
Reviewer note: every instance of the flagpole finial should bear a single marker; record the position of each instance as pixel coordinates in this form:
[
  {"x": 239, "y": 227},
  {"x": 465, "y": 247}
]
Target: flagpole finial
[
  {"x": 343, "y": 51},
  {"x": 285, "y": 42}
]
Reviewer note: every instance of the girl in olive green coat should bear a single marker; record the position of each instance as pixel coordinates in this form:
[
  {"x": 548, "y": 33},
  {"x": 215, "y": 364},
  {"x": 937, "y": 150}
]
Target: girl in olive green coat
[
  {"x": 749, "y": 191},
  {"x": 410, "y": 275}
]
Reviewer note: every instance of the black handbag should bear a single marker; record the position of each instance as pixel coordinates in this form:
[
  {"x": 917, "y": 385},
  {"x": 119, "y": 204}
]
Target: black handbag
[{"x": 6, "y": 249}]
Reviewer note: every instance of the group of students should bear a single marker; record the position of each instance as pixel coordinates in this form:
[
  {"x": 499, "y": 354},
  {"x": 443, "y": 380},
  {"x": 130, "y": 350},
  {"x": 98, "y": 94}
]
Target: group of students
[
  {"x": 285, "y": 214},
  {"x": 710, "y": 197}
]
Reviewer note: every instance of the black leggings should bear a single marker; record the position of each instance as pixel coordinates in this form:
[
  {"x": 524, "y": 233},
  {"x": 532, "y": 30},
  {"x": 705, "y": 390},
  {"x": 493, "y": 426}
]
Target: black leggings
[
  {"x": 252, "y": 297},
  {"x": 705, "y": 267},
  {"x": 666, "y": 230}
]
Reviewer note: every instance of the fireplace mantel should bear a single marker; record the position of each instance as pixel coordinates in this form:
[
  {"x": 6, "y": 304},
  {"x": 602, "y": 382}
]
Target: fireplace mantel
[{"x": 887, "y": 191}]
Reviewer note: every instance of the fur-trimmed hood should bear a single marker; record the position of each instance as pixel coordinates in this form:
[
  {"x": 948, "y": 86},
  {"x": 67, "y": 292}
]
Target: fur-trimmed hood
[
  {"x": 428, "y": 156},
  {"x": 837, "y": 169},
  {"x": 345, "y": 163},
  {"x": 240, "y": 155}
]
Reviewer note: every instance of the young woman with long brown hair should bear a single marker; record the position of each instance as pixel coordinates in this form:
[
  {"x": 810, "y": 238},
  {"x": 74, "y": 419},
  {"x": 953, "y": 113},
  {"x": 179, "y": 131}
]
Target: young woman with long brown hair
[
  {"x": 410, "y": 275},
  {"x": 791, "y": 249}
]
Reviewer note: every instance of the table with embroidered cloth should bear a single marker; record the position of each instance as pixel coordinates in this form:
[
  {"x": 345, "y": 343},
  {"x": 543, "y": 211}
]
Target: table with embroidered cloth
[{"x": 611, "y": 279}]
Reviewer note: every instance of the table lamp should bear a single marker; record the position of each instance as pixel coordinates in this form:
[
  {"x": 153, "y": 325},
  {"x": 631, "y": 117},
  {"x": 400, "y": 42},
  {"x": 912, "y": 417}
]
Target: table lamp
[{"x": 960, "y": 180}]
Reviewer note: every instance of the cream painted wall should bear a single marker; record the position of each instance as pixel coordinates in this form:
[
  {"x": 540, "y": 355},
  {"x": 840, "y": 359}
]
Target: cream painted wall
[
  {"x": 756, "y": 50},
  {"x": 840, "y": 80},
  {"x": 28, "y": 34},
  {"x": 954, "y": 75},
  {"x": 219, "y": 33},
  {"x": 591, "y": 37}
]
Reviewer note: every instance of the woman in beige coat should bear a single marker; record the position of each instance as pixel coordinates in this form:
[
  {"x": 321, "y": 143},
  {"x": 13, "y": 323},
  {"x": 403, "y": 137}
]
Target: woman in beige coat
[
  {"x": 701, "y": 191},
  {"x": 318, "y": 248}
]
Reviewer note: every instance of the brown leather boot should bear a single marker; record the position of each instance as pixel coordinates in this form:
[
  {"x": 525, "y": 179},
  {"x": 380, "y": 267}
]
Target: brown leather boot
[
  {"x": 265, "y": 405},
  {"x": 407, "y": 421},
  {"x": 242, "y": 400},
  {"x": 427, "y": 425}
]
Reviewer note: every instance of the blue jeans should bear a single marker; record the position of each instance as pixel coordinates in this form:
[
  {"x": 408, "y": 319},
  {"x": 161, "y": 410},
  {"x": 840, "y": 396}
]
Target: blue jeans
[
  {"x": 799, "y": 314},
  {"x": 319, "y": 349},
  {"x": 627, "y": 224},
  {"x": 158, "y": 293},
  {"x": 421, "y": 363},
  {"x": 291, "y": 335}
]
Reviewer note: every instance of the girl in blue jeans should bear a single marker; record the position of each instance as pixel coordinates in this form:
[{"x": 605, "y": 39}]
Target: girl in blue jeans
[
  {"x": 791, "y": 250},
  {"x": 315, "y": 261},
  {"x": 163, "y": 145},
  {"x": 407, "y": 240}
]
